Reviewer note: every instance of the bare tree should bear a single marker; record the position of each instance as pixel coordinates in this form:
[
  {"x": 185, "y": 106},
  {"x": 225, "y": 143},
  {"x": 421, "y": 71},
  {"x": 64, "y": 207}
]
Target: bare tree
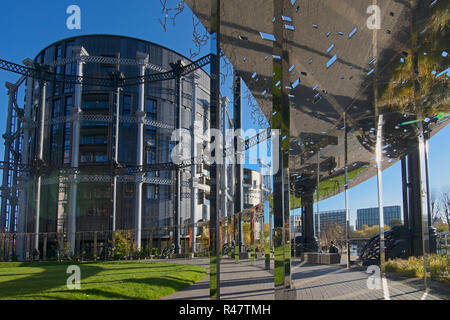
[
  {"x": 333, "y": 232},
  {"x": 256, "y": 113},
  {"x": 200, "y": 38},
  {"x": 445, "y": 204},
  {"x": 170, "y": 13},
  {"x": 435, "y": 207}
]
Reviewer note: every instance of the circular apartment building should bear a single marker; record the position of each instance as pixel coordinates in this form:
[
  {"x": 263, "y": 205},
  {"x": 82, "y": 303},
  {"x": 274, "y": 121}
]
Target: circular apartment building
[{"x": 104, "y": 129}]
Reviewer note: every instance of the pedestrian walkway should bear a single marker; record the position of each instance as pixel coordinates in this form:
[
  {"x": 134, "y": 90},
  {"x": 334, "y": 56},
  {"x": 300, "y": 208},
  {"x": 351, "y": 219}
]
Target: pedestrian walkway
[
  {"x": 239, "y": 281},
  {"x": 247, "y": 281},
  {"x": 327, "y": 282}
]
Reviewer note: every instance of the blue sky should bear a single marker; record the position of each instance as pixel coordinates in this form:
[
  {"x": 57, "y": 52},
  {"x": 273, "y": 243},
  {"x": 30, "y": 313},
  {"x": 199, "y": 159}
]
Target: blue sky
[{"x": 29, "y": 26}]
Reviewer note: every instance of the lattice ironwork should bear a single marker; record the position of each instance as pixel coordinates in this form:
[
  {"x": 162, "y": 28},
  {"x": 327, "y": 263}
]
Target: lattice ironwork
[
  {"x": 45, "y": 73},
  {"x": 257, "y": 139},
  {"x": 98, "y": 118},
  {"x": 16, "y": 68},
  {"x": 98, "y": 178},
  {"x": 157, "y": 180},
  {"x": 396, "y": 242},
  {"x": 105, "y": 60},
  {"x": 130, "y": 170}
]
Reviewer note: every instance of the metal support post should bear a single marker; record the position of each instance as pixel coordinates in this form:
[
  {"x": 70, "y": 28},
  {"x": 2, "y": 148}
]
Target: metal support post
[
  {"x": 40, "y": 159},
  {"x": 140, "y": 114},
  {"x": 75, "y": 153},
  {"x": 224, "y": 179},
  {"x": 405, "y": 191},
  {"x": 267, "y": 244},
  {"x": 177, "y": 117},
  {"x": 318, "y": 195},
  {"x": 252, "y": 237},
  {"x": 424, "y": 207},
  {"x": 194, "y": 180},
  {"x": 116, "y": 155},
  {"x": 23, "y": 191},
  {"x": 280, "y": 151},
  {"x": 347, "y": 212},
  {"x": 5, "y": 185},
  {"x": 214, "y": 268},
  {"x": 239, "y": 160},
  {"x": 379, "y": 159},
  {"x": 419, "y": 184}
]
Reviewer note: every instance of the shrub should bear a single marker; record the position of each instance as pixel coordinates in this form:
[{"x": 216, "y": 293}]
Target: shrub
[{"x": 413, "y": 267}]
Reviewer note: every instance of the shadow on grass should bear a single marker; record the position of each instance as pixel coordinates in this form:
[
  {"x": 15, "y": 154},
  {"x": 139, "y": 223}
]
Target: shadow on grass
[
  {"x": 53, "y": 276},
  {"x": 172, "y": 282}
]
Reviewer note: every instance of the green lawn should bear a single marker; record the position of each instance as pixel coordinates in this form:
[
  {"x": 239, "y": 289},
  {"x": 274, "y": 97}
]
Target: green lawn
[{"x": 99, "y": 281}]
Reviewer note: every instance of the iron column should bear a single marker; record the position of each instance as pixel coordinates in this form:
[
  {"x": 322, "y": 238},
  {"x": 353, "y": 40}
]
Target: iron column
[
  {"x": 23, "y": 192},
  {"x": 280, "y": 150},
  {"x": 39, "y": 157},
  {"x": 7, "y": 137},
  {"x": 238, "y": 162},
  {"x": 140, "y": 114},
  {"x": 194, "y": 179},
  {"x": 76, "y": 113},
  {"x": 214, "y": 237}
]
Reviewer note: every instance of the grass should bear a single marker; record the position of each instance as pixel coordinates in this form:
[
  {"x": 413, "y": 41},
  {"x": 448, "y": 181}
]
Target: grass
[
  {"x": 413, "y": 267},
  {"x": 120, "y": 280}
]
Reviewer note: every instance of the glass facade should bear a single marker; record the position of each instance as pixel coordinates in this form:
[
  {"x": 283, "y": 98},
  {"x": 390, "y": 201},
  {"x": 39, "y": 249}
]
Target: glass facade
[
  {"x": 370, "y": 216},
  {"x": 97, "y": 131},
  {"x": 329, "y": 218}
]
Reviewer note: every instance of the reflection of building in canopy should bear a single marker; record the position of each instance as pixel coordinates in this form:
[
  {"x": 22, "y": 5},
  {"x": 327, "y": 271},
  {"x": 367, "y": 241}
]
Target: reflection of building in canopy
[
  {"x": 370, "y": 216},
  {"x": 372, "y": 98}
]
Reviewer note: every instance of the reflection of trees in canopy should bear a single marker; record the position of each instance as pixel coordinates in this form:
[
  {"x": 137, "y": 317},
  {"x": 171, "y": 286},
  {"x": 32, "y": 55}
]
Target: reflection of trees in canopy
[
  {"x": 329, "y": 186},
  {"x": 398, "y": 102},
  {"x": 397, "y": 94}
]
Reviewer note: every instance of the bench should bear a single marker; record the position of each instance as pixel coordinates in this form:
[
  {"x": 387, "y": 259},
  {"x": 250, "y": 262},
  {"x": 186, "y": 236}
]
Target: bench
[{"x": 321, "y": 258}]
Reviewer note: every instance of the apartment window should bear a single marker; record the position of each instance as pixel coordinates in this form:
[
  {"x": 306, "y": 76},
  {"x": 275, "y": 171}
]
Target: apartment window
[
  {"x": 86, "y": 157},
  {"x": 101, "y": 157},
  {"x": 90, "y": 157},
  {"x": 152, "y": 192},
  {"x": 128, "y": 190},
  {"x": 67, "y": 131},
  {"x": 94, "y": 124},
  {"x": 150, "y": 155},
  {"x": 58, "y": 70},
  {"x": 201, "y": 196},
  {"x": 150, "y": 108},
  {"x": 100, "y": 102},
  {"x": 55, "y": 133},
  {"x": 69, "y": 68},
  {"x": 95, "y": 139},
  {"x": 126, "y": 105},
  {"x": 126, "y": 108}
]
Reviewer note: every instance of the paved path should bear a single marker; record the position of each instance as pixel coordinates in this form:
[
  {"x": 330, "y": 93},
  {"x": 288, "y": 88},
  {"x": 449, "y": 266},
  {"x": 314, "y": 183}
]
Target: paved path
[
  {"x": 245, "y": 281},
  {"x": 239, "y": 281}
]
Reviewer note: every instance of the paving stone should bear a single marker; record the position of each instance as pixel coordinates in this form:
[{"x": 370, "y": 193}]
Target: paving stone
[{"x": 249, "y": 281}]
